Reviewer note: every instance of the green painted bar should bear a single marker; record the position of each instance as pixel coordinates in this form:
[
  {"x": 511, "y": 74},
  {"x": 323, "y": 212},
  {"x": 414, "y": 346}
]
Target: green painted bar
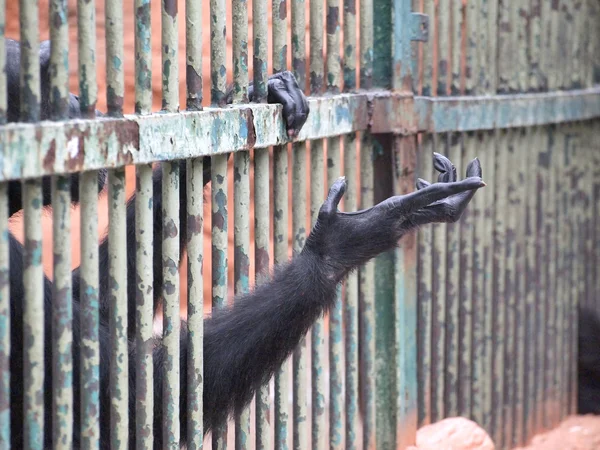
[
  {"x": 336, "y": 346},
  {"x": 144, "y": 374},
  {"x": 405, "y": 160},
  {"x": 62, "y": 289},
  {"x": 428, "y": 86},
  {"x": 89, "y": 319},
  {"x": 195, "y": 302},
  {"x": 86, "y": 44},
  {"x": 280, "y": 238},
  {"x": 280, "y": 230},
  {"x": 241, "y": 262},
  {"x": 33, "y": 314},
  {"x": 193, "y": 55},
  {"x": 261, "y": 202},
  {"x": 499, "y": 307},
  {"x": 115, "y": 61},
  {"x": 144, "y": 300},
  {"x": 117, "y": 288},
  {"x": 219, "y": 261},
  {"x": 239, "y": 40},
  {"x": 317, "y": 63},
  {"x": 5, "y": 322},
  {"x": 218, "y": 57},
  {"x": 351, "y": 306},
  {"x": 366, "y": 305},
  {"x": 261, "y": 266},
  {"x": 365, "y": 35},
  {"x": 443, "y": 48}
]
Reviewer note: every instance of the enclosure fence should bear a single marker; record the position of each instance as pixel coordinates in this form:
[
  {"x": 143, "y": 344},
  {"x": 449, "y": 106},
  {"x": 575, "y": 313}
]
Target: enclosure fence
[{"x": 477, "y": 318}]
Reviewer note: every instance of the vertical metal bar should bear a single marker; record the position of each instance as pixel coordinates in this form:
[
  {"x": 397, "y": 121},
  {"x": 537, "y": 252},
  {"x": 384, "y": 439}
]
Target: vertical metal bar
[
  {"x": 3, "y": 89},
  {"x": 366, "y": 304},
  {"x": 241, "y": 212},
  {"x": 218, "y": 71},
  {"x": 193, "y": 58},
  {"x": 261, "y": 268},
  {"x": 280, "y": 230},
  {"x": 89, "y": 272},
  {"x": 336, "y": 348},
  {"x": 62, "y": 309},
  {"x": 261, "y": 201},
  {"x": 144, "y": 373},
  {"x": 241, "y": 187},
  {"x": 5, "y": 318},
  {"x": 365, "y": 43},
  {"x": 219, "y": 256},
  {"x": 33, "y": 316},
  {"x": 195, "y": 300}
]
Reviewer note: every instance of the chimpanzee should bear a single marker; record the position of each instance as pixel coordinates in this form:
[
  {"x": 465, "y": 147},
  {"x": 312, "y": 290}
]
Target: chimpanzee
[
  {"x": 588, "y": 361},
  {"x": 246, "y": 343}
]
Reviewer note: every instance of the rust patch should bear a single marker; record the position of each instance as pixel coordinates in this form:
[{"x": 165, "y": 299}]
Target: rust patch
[
  {"x": 50, "y": 157},
  {"x": 251, "y": 128}
]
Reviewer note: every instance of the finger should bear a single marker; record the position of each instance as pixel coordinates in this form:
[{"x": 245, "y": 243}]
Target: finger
[
  {"x": 336, "y": 192},
  {"x": 421, "y": 183},
  {"x": 445, "y": 167},
  {"x": 474, "y": 169}
]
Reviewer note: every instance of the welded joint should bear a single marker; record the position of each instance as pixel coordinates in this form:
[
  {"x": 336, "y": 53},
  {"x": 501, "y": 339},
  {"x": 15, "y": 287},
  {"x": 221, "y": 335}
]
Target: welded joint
[{"x": 418, "y": 27}]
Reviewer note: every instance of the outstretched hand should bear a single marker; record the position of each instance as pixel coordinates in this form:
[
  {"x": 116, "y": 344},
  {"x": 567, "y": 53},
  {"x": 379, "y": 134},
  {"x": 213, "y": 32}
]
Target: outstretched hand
[{"x": 344, "y": 241}]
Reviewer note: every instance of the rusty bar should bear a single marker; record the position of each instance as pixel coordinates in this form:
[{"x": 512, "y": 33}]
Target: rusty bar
[
  {"x": 33, "y": 314},
  {"x": 88, "y": 292},
  {"x": 5, "y": 318},
  {"x": 241, "y": 262},
  {"x": 351, "y": 306},
  {"x": 144, "y": 300},
  {"x": 336, "y": 347},
  {"x": 241, "y": 188},
  {"x": 144, "y": 381},
  {"x": 193, "y": 55},
  {"x": 280, "y": 230},
  {"x": 261, "y": 202},
  {"x": 219, "y": 256},
  {"x": 366, "y": 305},
  {"x": 405, "y": 159},
  {"x": 218, "y": 68},
  {"x": 117, "y": 288},
  {"x": 62, "y": 290},
  {"x": 261, "y": 268},
  {"x": 195, "y": 301},
  {"x": 280, "y": 238},
  {"x": 260, "y": 49},
  {"x": 240, "y": 56}
]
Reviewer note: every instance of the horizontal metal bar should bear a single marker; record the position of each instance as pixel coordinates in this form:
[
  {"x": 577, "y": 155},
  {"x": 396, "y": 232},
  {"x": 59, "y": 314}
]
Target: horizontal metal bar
[{"x": 32, "y": 150}]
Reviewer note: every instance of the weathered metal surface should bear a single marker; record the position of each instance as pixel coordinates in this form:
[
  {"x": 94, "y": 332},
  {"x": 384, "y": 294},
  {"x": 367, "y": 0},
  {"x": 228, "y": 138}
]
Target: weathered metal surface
[
  {"x": 280, "y": 248},
  {"x": 5, "y": 321},
  {"x": 367, "y": 306},
  {"x": 336, "y": 346},
  {"x": 218, "y": 68},
  {"x": 365, "y": 43},
  {"x": 143, "y": 57},
  {"x": 195, "y": 302},
  {"x": 115, "y": 62},
  {"x": 171, "y": 308},
  {"x": 3, "y": 85},
  {"x": 239, "y": 41},
  {"x": 261, "y": 269},
  {"x": 241, "y": 262},
  {"x": 89, "y": 318},
  {"x": 117, "y": 292},
  {"x": 219, "y": 243},
  {"x": 260, "y": 56},
  {"x": 193, "y": 54},
  {"x": 144, "y": 301}
]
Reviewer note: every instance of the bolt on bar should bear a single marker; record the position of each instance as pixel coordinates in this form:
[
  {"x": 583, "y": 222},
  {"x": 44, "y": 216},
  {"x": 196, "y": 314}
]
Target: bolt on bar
[
  {"x": 117, "y": 241},
  {"x": 195, "y": 236},
  {"x": 33, "y": 276},
  {"x": 280, "y": 221},
  {"x": 62, "y": 302}
]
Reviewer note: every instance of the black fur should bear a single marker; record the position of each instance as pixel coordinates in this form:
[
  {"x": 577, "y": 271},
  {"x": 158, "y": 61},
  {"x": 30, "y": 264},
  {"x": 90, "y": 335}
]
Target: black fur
[
  {"x": 245, "y": 344},
  {"x": 588, "y": 362}
]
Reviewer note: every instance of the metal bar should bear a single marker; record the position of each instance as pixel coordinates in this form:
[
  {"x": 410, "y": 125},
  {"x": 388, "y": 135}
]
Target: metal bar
[
  {"x": 336, "y": 346},
  {"x": 62, "y": 291},
  {"x": 193, "y": 56},
  {"x": 241, "y": 212},
  {"x": 260, "y": 49},
  {"x": 367, "y": 305},
  {"x": 195, "y": 302},
  {"x": 280, "y": 228},
  {"x": 280, "y": 238},
  {"x": 240, "y": 51},
  {"x": 365, "y": 43},
  {"x": 5, "y": 318},
  {"x": 218, "y": 71},
  {"x": 219, "y": 242},
  {"x": 144, "y": 229},
  {"x": 3, "y": 84},
  {"x": 261, "y": 268},
  {"x": 172, "y": 136},
  {"x": 33, "y": 275}
]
